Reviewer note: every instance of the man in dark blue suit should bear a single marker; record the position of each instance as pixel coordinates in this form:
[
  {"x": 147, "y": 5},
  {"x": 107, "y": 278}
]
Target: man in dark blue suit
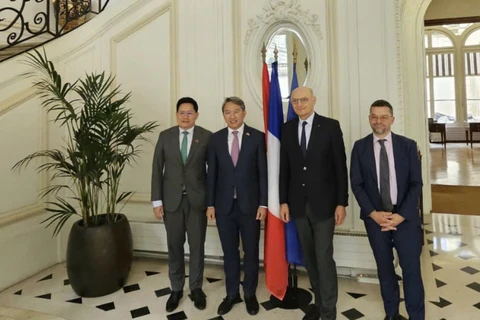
[
  {"x": 237, "y": 199},
  {"x": 386, "y": 180}
]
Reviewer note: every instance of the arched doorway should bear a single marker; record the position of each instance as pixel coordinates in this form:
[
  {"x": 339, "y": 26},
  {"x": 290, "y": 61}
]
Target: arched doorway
[{"x": 412, "y": 58}]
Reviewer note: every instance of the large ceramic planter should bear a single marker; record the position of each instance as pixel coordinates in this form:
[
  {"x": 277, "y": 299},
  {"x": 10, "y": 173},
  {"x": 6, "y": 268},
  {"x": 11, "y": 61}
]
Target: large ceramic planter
[{"x": 99, "y": 258}]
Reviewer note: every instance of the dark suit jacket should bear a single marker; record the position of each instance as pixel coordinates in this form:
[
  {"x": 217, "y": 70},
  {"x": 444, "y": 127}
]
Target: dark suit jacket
[
  {"x": 321, "y": 178},
  {"x": 363, "y": 176},
  {"x": 170, "y": 175},
  {"x": 249, "y": 176}
]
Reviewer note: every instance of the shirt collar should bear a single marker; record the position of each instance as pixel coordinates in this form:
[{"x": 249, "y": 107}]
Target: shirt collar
[
  {"x": 309, "y": 120},
  {"x": 388, "y": 137},
  {"x": 190, "y": 131},
  {"x": 240, "y": 130}
]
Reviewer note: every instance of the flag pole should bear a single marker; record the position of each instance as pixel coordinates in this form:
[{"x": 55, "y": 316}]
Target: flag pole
[{"x": 295, "y": 297}]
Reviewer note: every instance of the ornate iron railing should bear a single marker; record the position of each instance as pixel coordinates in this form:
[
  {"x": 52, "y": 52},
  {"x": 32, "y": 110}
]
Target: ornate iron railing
[{"x": 26, "y": 24}]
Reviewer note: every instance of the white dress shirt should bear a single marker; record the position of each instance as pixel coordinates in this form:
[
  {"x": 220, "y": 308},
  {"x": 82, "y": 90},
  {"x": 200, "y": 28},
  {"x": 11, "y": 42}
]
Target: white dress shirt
[
  {"x": 308, "y": 128},
  {"x": 158, "y": 203}
]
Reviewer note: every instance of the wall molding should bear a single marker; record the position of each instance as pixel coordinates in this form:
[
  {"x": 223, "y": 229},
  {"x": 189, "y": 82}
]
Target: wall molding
[
  {"x": 140, "y": 197},
  {"x": 289, "y": 10},
  {"x": 285, "y": 14},
  {"x": 37, "y": 207},
  {"x": 22, "y": 213},
  {"x": 115, "y": 40},
  {"x": 16, "y": 100},
  {"x": 413, "y": 83}
]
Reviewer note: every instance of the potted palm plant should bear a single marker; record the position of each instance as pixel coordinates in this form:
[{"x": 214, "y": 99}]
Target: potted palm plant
[{"x": 100, "y": 142}]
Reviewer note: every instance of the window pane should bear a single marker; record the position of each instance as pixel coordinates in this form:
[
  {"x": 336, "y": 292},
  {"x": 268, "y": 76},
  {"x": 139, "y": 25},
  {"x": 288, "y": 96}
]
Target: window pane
[
  {"x": 427, "y": 65},
  {"x": 425, "y": 39},
  {"x": 473, "y": 39},
  {"x": 458, "y": 29},
  {"x": 444, "y": 99},
  {"x": 472, "y": 86},
  {"x": 439, "y": 40},
  {"x": 427, "y": 90}
]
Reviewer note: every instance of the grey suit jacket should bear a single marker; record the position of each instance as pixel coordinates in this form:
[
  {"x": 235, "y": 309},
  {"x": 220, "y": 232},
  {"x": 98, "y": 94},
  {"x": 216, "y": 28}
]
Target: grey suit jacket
[{"x": 170, "y": 175}]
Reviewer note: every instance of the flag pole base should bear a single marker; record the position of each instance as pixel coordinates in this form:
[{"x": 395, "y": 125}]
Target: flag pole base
[{"x": 295, "y": 298}]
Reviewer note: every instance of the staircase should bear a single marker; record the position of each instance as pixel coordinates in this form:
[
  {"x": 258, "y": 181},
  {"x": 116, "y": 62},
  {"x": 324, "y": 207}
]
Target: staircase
[{"x": 26, "y": 24}]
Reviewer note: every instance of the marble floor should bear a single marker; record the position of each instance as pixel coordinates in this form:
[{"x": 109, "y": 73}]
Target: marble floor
[{"x": 450, "y": 267}]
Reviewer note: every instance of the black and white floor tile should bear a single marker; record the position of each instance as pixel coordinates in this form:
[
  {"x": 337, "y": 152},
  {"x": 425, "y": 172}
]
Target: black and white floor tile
[{"x": 450, "y": 266}]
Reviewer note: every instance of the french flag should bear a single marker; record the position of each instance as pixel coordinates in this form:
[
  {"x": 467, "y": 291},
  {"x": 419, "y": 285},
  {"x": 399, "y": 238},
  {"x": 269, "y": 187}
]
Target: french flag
[{"x": 275, "y": 260}]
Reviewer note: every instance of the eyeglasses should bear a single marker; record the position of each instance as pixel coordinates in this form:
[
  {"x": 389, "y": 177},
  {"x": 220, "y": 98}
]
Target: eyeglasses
[
  {"x": 183, "y": 113},
  {"x": 235, "y": 112},
  {"x": 374, "y": 117},
  {"x": 300, "y": 100}
]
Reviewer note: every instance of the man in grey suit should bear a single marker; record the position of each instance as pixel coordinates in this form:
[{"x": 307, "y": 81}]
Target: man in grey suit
[{"x": 178, "y": 194}]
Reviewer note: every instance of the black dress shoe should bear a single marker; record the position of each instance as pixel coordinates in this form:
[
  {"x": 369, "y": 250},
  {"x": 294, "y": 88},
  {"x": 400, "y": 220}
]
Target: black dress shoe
[
  {"x": 311, "y": 313},
  {"x": 227, "y": 304},
  {"x": 198, "y": 297},
  {"x": 172, "y": 302},
  {"x": 397, "y": 317},
  {"x": 252, "y": 305}
]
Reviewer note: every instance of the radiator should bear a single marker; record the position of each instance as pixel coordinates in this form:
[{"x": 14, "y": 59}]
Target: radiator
[{"x": 353, "y": 254}]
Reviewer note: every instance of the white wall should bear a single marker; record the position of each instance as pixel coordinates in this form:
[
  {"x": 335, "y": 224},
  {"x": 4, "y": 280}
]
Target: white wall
[
  {"x": 447, "y": 9},
  {"x": 162, "y": 50}
]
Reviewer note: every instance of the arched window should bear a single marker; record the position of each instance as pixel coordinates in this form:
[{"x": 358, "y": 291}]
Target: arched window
[
  {"x": 440, "y": 82},
  {"x": 453, "y": 73},
  {"x": 472, "y": 75}
]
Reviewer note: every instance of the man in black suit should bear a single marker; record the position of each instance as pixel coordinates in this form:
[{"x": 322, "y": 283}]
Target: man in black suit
[
  {"x": 314, "y": 192},
  {"x": 386, "y": 180},
  {"x": 179, "y": 179},
  {"x": 237, "y": 199}
]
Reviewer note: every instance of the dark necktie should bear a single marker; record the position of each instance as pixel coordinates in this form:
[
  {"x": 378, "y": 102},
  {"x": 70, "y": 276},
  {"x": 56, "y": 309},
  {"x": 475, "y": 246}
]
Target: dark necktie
[
  {"x": 303, "y": 140},
  {"x": 385, "y": 178},
  {"x": 184, "y": 147}
]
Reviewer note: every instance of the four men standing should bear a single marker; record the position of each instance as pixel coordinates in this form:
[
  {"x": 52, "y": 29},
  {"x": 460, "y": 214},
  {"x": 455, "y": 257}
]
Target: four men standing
[{"x": 313, "y": 192}]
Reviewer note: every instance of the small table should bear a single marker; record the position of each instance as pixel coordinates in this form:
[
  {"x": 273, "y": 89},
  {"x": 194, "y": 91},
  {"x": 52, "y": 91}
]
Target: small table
[
  {"x": 472, "y": 127},
  {"x": 439, "y": 127}
]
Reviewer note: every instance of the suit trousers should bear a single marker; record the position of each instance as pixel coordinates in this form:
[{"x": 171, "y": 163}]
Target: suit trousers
[
  {"x": 407, "y": 240},
  {"x": 316, "y": 239},
  {"x": 194, "y": 224},
  {"x": 229, "y": 226}
]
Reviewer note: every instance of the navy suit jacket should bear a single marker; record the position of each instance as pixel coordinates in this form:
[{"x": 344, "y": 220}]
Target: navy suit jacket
[
  {"x": 249, "y": 176},
  {"x": 363, "y": 177}
]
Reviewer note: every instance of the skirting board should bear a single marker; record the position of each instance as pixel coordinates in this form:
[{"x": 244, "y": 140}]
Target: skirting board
[{"x": 352, "y": 252}]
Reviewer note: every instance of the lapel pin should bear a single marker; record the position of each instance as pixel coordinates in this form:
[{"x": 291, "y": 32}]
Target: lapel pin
[
  {"x": 248, "y": 133},
  {"x": 196, "y": 141}
]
